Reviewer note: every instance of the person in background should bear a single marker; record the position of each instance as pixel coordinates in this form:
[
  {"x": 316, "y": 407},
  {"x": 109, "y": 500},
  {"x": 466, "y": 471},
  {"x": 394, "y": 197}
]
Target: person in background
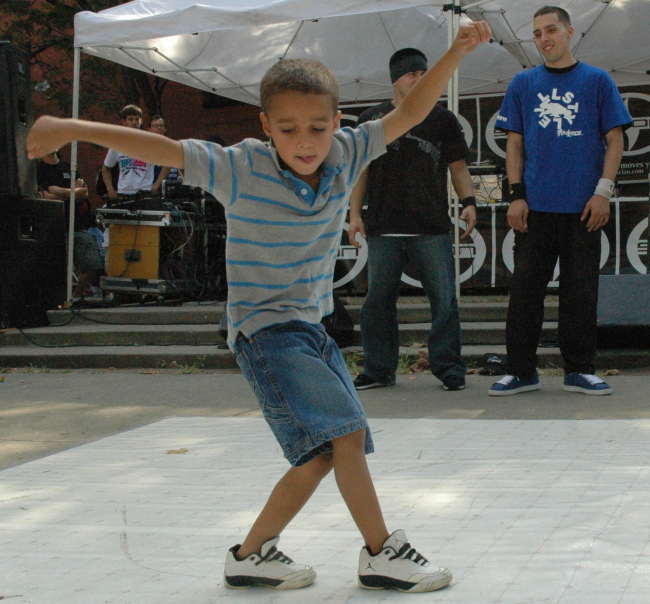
[
  {"x": 135, "y": 175},
  {"x": 162, "y": 173},
  {"x": 408, "y": 219},
  {"x": 565, "y": 122},
  {"x": 53, "y": 177}
]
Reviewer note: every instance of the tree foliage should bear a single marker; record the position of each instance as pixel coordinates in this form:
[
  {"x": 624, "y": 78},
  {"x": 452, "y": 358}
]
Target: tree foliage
[{"x": 45, "y": 29}]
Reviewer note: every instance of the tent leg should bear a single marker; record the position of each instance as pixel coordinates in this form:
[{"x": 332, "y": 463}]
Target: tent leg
[
  {"x": 452, "y": 105},
  {"x": 73, "y": 169}
]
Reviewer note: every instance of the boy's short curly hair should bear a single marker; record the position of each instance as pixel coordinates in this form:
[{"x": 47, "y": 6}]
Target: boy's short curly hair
[
  {"x": 130, "y": 110},
  {"x": 299, "y": 75}
]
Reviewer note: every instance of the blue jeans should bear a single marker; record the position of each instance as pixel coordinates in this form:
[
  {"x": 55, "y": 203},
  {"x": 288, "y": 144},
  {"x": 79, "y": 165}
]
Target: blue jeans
[
  {"x": 387, "y": 258},
  {"x": 303, "y": 386}
]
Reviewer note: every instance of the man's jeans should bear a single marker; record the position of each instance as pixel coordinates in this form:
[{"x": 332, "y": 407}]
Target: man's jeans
[{"x": 387, "y": 258}]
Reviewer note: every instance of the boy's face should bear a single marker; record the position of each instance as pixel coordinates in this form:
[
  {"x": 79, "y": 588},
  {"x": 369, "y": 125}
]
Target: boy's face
[
  {"x": 132, "y": 121},
  {"x": 552, "y": 38},
  {"x": 301, "y": 126}
]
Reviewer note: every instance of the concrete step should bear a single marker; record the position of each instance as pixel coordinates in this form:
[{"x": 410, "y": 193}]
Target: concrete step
[
  {"x": 473, "y": 333},
  {"x": 185, "y": 358},
  {"x": 420, "y": 312},
  {"x": 189, "y": 359},
  {"x": 188, "y": 336},
  {"x": 188, "y": 314},
  {"x": 193, "y": 314},
  {"x": 96, "y": 334}
]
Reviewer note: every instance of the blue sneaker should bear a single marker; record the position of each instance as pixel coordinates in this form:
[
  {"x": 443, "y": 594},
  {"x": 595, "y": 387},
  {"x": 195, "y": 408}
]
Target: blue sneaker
[
  {"x": 511, "y": 384},
  {"x": 586, "y": 383}
]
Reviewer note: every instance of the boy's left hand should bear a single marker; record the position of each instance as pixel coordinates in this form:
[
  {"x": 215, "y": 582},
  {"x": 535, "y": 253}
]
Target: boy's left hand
[
  {"x": 471, "y": 35},
  {"x": 47, "y": 134}
]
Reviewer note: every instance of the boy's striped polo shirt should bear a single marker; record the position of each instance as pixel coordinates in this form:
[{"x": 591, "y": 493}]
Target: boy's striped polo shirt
[{"x": 283, "y": 237}]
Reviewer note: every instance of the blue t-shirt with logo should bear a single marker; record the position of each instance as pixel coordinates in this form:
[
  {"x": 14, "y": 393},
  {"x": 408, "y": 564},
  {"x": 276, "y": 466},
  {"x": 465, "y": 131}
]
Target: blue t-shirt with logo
[{"x": 563, "y": 116}]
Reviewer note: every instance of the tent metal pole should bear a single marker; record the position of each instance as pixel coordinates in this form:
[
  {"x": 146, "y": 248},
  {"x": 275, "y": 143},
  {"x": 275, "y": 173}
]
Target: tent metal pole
[
  {"x": 73, "y": 169},
  {"x": 452, "y": 105}
]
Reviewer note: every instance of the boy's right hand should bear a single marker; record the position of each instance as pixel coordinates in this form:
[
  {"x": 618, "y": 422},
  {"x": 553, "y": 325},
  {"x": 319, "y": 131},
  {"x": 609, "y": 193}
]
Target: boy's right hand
[
  {"x": 356, "y": 226},
  {"x": 470, "y": 36},
  {"x": 48, "y": 134}
]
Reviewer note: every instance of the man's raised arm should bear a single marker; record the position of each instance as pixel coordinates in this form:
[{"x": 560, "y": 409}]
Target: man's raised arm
[{"x": 420, "y": 100}]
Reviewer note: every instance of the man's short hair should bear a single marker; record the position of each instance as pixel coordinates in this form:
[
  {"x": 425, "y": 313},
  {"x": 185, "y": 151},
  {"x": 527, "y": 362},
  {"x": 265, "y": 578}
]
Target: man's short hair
[
  {"x": 562, "y": 15},
  {"x": 298, "y": 75},
  {"x": 155, "y": 118},
  {"x": 130, "y": 110}
]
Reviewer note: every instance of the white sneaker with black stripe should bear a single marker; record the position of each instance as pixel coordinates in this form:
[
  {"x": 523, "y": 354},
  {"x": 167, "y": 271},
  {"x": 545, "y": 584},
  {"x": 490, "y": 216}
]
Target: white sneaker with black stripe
[
  {"x": 269, "y": 568},
  {"x": 399, "y": 566}
]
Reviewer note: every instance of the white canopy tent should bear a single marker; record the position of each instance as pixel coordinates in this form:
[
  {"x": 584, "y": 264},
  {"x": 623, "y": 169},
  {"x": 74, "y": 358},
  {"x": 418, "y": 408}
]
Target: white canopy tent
[
  {"x": 222, "y": 47},
  {"x": 225, "y": 46}
]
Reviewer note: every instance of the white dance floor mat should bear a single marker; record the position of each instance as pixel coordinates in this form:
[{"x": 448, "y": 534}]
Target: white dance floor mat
[{"x": 552, "y": 511}]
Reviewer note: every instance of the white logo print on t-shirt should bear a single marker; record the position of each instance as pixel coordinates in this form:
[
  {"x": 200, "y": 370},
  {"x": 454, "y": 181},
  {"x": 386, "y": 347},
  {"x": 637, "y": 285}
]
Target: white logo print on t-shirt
[{"x": 558, "y": 109}]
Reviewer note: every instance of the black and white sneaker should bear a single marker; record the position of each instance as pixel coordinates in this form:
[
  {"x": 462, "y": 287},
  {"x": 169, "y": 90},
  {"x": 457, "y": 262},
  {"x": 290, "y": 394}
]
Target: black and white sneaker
[
  {"x": 364, "y": 382},
  {"x": 399, "y": 566},
  {"x": 270, "y": 568}
]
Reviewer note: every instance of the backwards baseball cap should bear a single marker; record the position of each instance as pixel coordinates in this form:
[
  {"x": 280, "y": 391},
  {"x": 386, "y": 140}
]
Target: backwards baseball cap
[{"x": 405, "y": 61}]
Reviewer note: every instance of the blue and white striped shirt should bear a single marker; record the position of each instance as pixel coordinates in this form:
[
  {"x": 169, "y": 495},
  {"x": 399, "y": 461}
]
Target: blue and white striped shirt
[{"x": 283, "y": 237}]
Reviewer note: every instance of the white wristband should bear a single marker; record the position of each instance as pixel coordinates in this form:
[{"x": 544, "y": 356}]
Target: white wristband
[{"x": 605, "y": 188}]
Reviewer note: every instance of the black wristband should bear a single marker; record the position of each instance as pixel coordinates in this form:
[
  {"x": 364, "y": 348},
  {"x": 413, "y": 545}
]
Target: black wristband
[
  {"x": 468, "y": 201},
  {"x": 517, "y": 190}
]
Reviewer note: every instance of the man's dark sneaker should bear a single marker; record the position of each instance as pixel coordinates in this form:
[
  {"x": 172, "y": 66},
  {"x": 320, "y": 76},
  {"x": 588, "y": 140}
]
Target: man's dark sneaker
[
  {"x": 399, "y": 566},
  {"x": 586, "y": 383},
  {"x": 511, "y": 384},
  {"x": 453, "y": 382},
  {"x": 363, "y": 382},
  {"x": 269, "y": 568}
]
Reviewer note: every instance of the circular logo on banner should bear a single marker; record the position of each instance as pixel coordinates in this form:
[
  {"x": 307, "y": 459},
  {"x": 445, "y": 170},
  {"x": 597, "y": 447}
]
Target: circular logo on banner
[
  {"x": 473, "y": 253},
  {"x": 637, "y": 136},
  {"x": 636, "y": 245},
  {"x": 507, "y": 250},
  {"x": 352, "y": 259},
  {"x": 496, "y": 139}
]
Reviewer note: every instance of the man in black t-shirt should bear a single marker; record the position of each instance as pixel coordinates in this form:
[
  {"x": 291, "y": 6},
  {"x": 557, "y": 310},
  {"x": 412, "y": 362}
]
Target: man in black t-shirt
[
  {"x": 408, "y": 219},
  {"x": 53, "y": 177}
]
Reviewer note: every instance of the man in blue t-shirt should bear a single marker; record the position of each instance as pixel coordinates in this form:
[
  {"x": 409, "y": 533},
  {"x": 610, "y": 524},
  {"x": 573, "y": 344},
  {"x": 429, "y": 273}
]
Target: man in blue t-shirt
[{"x": 565, "y": 123}]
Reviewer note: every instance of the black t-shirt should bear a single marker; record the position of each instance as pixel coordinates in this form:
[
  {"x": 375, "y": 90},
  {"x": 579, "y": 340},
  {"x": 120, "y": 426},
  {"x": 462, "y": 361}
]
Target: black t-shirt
[
  {"x": 58, "y": 175},
  {"x": 407, "y": 186}
]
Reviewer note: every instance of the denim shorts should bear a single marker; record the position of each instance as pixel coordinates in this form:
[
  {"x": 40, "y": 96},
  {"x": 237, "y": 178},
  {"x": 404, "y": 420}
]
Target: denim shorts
[{"x": 303, "y": 386}]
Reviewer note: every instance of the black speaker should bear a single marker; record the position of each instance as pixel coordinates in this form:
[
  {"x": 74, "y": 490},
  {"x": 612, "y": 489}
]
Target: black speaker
[
  {"x": 17, "y": 173},
  {"x": 33, "y": 261}
]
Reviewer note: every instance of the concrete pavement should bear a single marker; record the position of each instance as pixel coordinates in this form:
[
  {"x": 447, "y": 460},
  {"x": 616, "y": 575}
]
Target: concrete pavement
[
  {"x": 128, "y": 487},
  {"x": 44, "y": 411}
]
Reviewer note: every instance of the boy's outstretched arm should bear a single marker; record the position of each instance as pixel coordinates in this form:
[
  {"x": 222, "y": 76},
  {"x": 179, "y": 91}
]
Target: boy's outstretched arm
[
  {"x": 51, "y": 133},
  {"x": 420, "y": 100}
]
